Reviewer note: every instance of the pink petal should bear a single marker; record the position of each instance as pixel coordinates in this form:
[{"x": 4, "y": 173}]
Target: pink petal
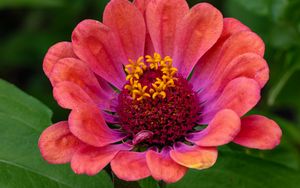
[
  {"x": 130, "y": 166},
  {"x": 74, "y": 70},
  {"x": 163, "y": 168},
  {"x": 96, "y": 45},
  {"x": 240, "y": 95},
  {"x": 106, "y": 87},
  {"x": 111, "y": 118},
  {"x": 162, "y": 18},
  {"x": 88, "y": 124},
  {"x": 57, "y": 144},
  {"x": 128, "y": 23},
  {"x": 236, "y": 45},
  {"x": 232, "y": 26},
  {"x": 195, "y": 34},
  {"x": 69, "y": 95},
  {"x": 141, "y": 136},
  {"x": 258, "y": 132},
  {"x": 91, "y": 160},
  {"x": 208, "y": 62},
  {"x": 221, "y": 130},
  {"x": 56, "y": 52},
  {"x": 142, "y": 6},
  {"x": 194, "y": 156},
  {"x": 248, "y": 65}
]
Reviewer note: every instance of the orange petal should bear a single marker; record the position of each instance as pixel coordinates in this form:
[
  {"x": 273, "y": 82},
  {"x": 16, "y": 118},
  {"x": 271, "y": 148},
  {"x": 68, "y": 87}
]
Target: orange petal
[
  {"x": 128, "y": 24},
  {"x": 130, "y": 166},
  {"x": 248, "y": 65},
  {"x": 141, "y": 5},
  {"x": 194, "y": 156},
  {"x": 69, "y": 95},
  {"x": 57, "y": 144},
  {"x": 232, "y": 26},
  {"x": 240, "y": 95},
  {"x": 221, "y": 130},
  {"x": 206, "y": 65},
  {"x": 162, "y": 167},
  {"x": 96, "y": 45},
  {"x": 91, "y": 160},
  {"x": 197, "y": 32},
  {"x": 258, "y": 132},
  {"x": 88, "y": 124},
  {"x": 235, "y": 46},
  {"x": 162, "y": 18},
  {"x": 77, "y": 72},
  {"x": 56, "y": 52}
]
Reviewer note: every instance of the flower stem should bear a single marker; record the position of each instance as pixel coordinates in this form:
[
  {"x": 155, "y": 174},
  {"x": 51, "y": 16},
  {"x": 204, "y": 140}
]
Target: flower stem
[{"x": 162, "y": 184}]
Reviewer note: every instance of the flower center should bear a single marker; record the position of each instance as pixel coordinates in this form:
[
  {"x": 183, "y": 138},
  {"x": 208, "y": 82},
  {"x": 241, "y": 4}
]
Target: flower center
[{"x": 157, "y": 107}]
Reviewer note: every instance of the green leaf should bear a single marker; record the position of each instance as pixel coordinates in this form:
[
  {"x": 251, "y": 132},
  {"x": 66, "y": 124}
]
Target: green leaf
[
  {"x": 29, "y": 3},
  {"x": 279, "y": 86},
  {"x": 284, "y": 36},
  {"x": 240, "y": 170},
  {"x": 148, "y": 183},
  {"x": 260, "y": 7},
  {"x": 22, "y": 119}
]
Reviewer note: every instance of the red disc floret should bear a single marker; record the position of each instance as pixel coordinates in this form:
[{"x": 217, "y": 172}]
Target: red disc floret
[{"x": 168, "y": 119}]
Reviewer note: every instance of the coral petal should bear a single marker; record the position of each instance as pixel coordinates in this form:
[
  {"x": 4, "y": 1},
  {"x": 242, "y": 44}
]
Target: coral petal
[
  {"x": 221, "y": 130},
  {"x": 162, "y": 167},
  {"x": 248, "y": 65},
  {"x": 95, "y": 44},
  {"x": 232, "y": 26},
  {"x": 194, "y": 156},
  {"x": 128, "y": 23},
  {"x": 141, "y": 136},
  {"x": 87, "y": 123},
  {"x": 240, "y": 43},
  {"x": 106, "y": 87},
  {"x": 234, "y": 36},
  {"x": 69, "y": 95},
  {"x": 236, "y": 45},
  {"x": 130, "y": 166},
  {"x": 56, "y": 52},
  {"x": 195, "y": 34},
  {"x": 111, "y": 118},
  {"x": 57, "y": 144},
  {"x": 162, "y": 18},
  {"x": 91, "y": 160},
  {"x": 258, "y": 132},
  {"x": 240, "y": 95},
  {"x": 141, "y": 5},
  {"x": 74, "y": 70}
]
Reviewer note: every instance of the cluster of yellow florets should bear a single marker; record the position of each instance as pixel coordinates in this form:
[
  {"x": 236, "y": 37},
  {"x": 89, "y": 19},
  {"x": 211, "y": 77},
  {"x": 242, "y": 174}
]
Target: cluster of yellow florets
[{"x": 135, "y": 69}]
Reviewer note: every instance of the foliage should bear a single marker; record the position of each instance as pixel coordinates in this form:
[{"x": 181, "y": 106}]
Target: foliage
[
  {"x": 22, "y": 119},
  {"x": 29, "y": 27}
]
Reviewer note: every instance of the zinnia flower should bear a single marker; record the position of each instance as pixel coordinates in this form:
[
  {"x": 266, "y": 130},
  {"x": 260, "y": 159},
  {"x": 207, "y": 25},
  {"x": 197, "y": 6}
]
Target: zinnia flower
[{"x": 155, "y": 89}]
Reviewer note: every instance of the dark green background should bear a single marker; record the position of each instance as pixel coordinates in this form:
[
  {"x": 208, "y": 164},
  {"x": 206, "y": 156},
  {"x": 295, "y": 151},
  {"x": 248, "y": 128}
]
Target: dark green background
[{"x": 29, "y": 27}]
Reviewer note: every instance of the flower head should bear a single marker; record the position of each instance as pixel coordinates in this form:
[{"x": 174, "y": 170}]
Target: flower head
[{"x": 143, "y": 85}]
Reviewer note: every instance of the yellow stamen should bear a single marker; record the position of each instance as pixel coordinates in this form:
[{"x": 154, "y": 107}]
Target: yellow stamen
[
  {"x": 141, "y": 91},
  {"x": 154, "y": 61},
  {"x": 135, "y": 69}
]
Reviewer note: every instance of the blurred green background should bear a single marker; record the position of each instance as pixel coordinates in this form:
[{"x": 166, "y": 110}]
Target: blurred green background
[{"x": 29, "y": 27}]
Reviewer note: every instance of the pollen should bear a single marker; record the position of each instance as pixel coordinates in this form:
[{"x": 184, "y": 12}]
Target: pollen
[
  {"x": 157, "y": 106},
  {"x": 162, "y": 112},
  {"x": 154, "y": 65}
]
